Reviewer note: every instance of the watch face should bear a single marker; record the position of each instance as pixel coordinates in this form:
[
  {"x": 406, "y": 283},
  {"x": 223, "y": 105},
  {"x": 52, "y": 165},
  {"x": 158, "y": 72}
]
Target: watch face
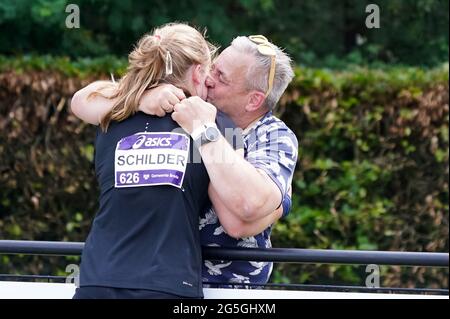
[{"x": 212, "y": 134}]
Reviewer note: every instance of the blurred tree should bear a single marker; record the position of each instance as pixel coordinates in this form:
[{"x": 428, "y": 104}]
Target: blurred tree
[{"x": 326, "y": 32}]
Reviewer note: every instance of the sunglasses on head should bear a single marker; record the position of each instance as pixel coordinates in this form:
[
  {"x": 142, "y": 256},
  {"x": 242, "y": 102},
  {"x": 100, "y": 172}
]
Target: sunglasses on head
[{"x": 265, "y": 48}]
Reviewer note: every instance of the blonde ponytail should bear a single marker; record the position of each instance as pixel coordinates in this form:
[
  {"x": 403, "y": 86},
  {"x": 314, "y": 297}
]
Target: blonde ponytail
[{"x": 148, "y": 67}]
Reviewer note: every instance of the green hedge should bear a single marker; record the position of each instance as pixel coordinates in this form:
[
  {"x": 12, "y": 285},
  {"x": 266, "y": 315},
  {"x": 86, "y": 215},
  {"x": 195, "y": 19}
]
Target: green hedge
[
  {"x": 372, "y": 171},
  {"x": 373, "y": 168},
  {"x": 79, "y": 68}
]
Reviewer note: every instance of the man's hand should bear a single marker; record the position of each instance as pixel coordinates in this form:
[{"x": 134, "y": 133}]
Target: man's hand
[
  {"x": 160, "y": 100},
  {"x": 193, "y": 112}
]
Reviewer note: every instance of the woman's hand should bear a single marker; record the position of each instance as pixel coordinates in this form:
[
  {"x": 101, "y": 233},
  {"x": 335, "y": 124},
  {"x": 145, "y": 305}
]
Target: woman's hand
[{"x": 160, "y": 100}]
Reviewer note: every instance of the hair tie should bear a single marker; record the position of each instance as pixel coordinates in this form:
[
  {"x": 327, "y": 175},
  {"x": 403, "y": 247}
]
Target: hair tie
[
  {"x": 157, "y": 39},
  {"x": 168, "y": 63}
]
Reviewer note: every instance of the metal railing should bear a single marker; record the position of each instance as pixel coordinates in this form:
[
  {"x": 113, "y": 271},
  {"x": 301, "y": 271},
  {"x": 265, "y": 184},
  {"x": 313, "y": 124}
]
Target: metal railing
[{"x": 294, "y": 255}]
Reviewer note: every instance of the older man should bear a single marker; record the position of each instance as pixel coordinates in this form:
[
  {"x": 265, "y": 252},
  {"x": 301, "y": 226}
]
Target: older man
[
  {"x": 248, "y": 193},
  {"x": 246, "y": 82}
]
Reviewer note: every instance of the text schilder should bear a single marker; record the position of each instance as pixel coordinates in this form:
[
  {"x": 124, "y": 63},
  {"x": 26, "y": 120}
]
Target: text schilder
[{"x": 149, "y": 159}]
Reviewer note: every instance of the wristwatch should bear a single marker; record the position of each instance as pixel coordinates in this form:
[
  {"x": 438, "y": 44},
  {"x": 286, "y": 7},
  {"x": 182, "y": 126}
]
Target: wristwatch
[{"x": 206, "y": 134}]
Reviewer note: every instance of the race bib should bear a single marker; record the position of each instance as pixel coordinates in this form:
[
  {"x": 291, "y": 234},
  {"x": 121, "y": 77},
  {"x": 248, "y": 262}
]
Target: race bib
[{"x": 149, "y": 159}]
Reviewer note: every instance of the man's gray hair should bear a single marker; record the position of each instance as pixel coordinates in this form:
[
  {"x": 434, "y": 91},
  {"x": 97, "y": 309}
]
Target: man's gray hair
[{"x": 258, "y": 74}]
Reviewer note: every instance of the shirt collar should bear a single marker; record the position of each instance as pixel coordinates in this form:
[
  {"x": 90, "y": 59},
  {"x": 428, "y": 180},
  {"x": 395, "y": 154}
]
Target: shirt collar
[{"x": 256, "y": 123}]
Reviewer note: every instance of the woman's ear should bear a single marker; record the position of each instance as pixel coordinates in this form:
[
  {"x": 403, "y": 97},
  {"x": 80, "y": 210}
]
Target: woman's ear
[
  {"x": 255, "y": 101},
  {"x": 196, "y": 74}
]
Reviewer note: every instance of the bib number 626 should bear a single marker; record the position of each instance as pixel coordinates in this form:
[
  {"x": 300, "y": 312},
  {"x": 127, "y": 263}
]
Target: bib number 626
[{"x": 129, "y": 178}]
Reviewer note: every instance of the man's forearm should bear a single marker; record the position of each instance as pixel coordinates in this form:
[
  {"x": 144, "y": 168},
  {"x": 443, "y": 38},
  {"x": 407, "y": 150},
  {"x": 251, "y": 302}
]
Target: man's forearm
[
  {"x": 233, "y": 225},
  {"x": 247, "y": 192}
]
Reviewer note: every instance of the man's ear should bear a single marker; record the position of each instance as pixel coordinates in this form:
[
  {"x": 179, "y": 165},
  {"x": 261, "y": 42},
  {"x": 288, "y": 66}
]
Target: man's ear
[{"x": 255, "y": 101}]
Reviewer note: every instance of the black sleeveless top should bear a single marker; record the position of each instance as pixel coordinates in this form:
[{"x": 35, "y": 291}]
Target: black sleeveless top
[{"x": 145, "y": 234}]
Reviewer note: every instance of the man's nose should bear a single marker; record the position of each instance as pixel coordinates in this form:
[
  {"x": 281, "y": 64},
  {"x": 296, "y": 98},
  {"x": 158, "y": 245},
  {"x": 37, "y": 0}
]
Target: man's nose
[{"x": 209, "y": 82}]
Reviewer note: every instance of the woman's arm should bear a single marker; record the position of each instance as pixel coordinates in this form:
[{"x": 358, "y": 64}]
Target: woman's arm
[{"x": 91, "y": 109}]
